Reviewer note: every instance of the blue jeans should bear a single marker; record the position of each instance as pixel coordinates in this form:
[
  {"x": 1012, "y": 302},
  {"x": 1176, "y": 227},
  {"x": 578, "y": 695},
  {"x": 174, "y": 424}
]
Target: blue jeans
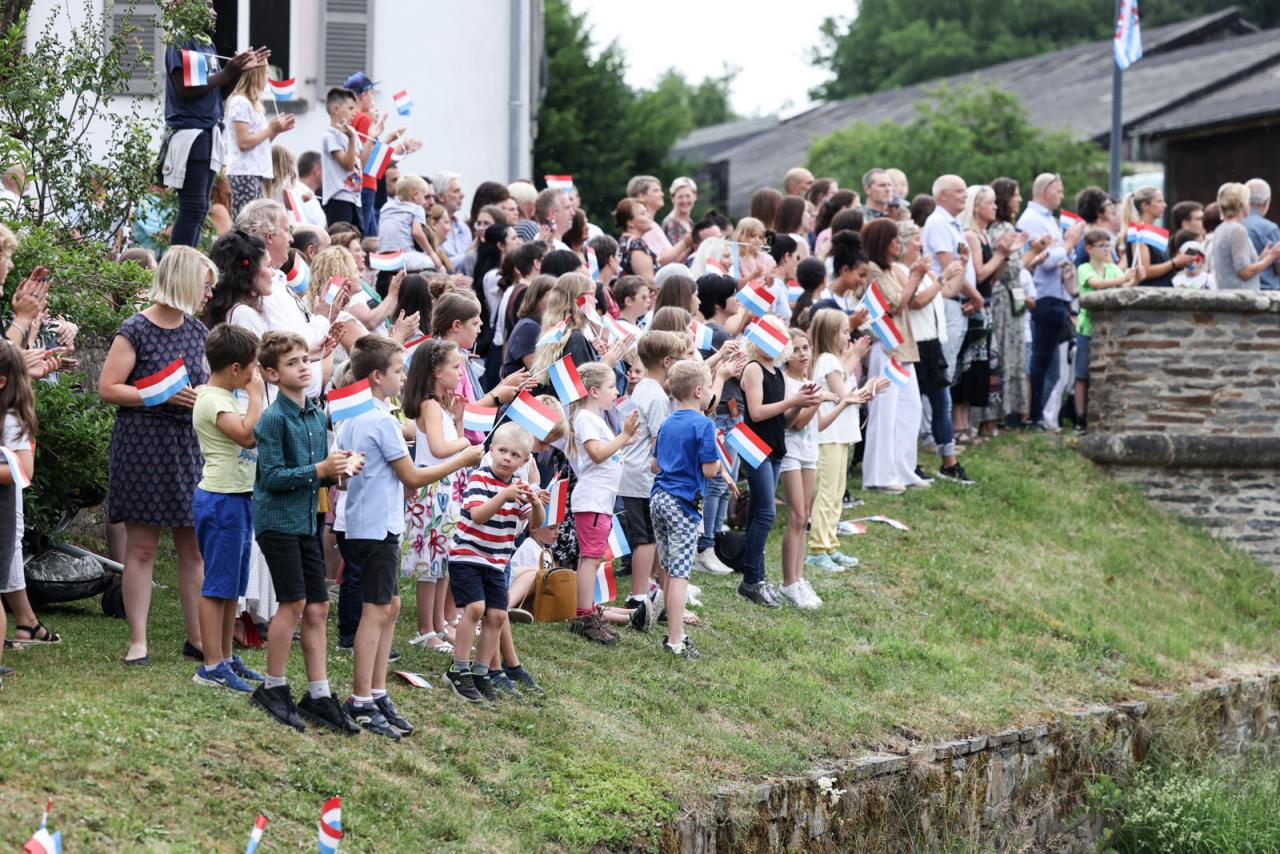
[
  {"x": 193, "y": 198},
  {"x": 940, "y": 420},
  {"x": 1046, "y": 327},
  {"x": 368, "y": 212},
  {"x": 760, "y": 515},
  {"x": 350, "y": 595},
  {"x": 715, "y": 505}
]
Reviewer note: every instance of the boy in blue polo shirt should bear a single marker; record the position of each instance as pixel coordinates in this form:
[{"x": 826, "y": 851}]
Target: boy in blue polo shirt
[
  {"x": 374, "y": 521},
  {"x": 684, "y": 457}
]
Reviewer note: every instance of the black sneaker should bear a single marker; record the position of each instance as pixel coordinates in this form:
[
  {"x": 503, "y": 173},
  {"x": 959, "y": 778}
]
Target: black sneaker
[
  {"x": 955, "y": 474},
  {"x": 633, "y": 601},
  {"x": 343, "y": 646},
  {"x": 327, "y": 712},
  {"x": 524, "y": 681},
  {"x": 760, "y": 593},
  {"x": 639, "y": 616},
  {"x": 505, "y": 687},
  {"x": 393, "y": 717},
  {"x": 277, "y": 703},
  {"x": 193, "y": 652},
  {"x": 394, "y": 655},
  {"x": 463, "y": 685},
  {"x": 371, "y": 719},
  {"x": 684, "y": 650},
  {"x": 920, "y": 474},
  {"x": 484, "y": 685}
]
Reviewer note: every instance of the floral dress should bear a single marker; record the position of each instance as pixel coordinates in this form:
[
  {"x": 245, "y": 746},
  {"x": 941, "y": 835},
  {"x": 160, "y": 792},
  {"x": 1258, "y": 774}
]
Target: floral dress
[
  {"x": 431, "y": 515},
  {"x": 1006, "y": 345}
]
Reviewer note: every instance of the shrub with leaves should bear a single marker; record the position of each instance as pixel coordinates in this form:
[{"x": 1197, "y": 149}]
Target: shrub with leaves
[{"x": 73, "y": 437}]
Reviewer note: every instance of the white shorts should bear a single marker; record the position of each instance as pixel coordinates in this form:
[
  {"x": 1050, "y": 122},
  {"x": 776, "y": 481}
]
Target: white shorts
[
  {"x": 17, "y": 579},
  {"x": 790, "y": 463}
]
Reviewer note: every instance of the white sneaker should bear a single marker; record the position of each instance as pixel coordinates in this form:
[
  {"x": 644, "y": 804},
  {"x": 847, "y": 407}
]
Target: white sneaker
[
  {"x": 691, "y": 599},
  {"x": 814, "y": 598},
  {"x": 694, "y": 590},
  {"x": 796, "y": 595},
  {"x": 706, "y": 561}
]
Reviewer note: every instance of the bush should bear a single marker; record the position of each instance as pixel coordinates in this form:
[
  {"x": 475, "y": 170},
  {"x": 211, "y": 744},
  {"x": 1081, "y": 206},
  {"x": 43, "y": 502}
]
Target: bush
[{"x": 73, "y": 437}]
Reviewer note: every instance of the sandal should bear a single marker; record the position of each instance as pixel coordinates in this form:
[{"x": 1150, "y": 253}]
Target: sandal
[
  {"x": 441, "y": 646},
  {"x": 49, "y": 638}
]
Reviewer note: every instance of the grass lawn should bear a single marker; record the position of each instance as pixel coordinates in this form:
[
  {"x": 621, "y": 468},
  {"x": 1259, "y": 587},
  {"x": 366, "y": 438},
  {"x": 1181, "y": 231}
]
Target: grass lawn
[{"x": 1047, "y": 586}]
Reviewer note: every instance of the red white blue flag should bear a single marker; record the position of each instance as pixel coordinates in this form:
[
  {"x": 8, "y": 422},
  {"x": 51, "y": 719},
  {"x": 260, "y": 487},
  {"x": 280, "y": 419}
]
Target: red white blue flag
[
  {"x": 42, "y": 841},
  {"x": 378, "y": 160},
  {"x": 1066, "y": 219},
  {"x": 794, "y": 292},
  {"x": 1152, "y": 236},
  {"x": 559, "y": 182},
  {"x": 195, "y": 68},
  {"x": 330, "y": 826},
  {"x": 587, "y": 305},
  {"x": 723, "y": 453},
  {"x": 770, "y": 341},
  {"x": 899, "y": 373},
  {"x": 411, "y": 347},
  {"x": 558, "y": 502},
  {"x": 750, "y": 447},
  {"x": 566, "y": 381},
  {"x": 554, "y": 334},
  {"x": 533, "y": 416},
  {"x": 404, "y": 104},
  {"x": 350, "y": 401},
  {"x": 283, "y": 90},
  {"x": 875, "y": 303},
  {"x": 616, "y": 546},
  {"x": 479, "y": 418},
  {"x": 701, "y": 335},
  {"x": 758, "y": 300},
  {"x": 593, "y": 264},
  {"x": 1128, "y": 42},
  {"x": 385, "y": 262},
  {"x": 256, "y": 835},
  {"x": 163, "y": 384},
  {"x": 887, "y": 332},
  {"x": 606, "y": 590}
]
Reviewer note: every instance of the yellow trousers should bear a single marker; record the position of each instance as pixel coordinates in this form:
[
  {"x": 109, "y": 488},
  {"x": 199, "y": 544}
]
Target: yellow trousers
[{"x": 833, "y": 465}]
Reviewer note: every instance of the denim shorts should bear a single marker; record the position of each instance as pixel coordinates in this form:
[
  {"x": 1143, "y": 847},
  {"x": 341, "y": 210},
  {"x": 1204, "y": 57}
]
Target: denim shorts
[{"x": 224, "y": 531}]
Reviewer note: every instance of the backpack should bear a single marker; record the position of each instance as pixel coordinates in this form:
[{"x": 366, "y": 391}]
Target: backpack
[
  {"x": 554, "y": 595},
  {"x": 731, "y": 549}
]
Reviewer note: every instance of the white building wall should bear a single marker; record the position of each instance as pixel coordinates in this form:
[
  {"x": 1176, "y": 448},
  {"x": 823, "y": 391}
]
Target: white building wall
[{"x": 451, "y": 55}]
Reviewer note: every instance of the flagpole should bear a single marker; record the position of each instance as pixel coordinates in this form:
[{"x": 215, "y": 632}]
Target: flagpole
[{"x": 1117, "y": 122}]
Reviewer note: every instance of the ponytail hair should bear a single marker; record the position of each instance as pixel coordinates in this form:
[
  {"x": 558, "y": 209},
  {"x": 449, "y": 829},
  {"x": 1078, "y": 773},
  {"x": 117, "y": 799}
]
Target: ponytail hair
[{"x": 1130, "y": 211}]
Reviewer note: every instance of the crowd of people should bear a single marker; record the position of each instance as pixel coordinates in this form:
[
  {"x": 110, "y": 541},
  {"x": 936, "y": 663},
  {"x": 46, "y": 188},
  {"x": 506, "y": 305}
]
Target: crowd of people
[{"x": 353, "y": 337}]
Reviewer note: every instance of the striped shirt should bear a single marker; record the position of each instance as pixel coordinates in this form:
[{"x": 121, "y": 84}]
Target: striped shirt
[{"x": 488, "y": 544}]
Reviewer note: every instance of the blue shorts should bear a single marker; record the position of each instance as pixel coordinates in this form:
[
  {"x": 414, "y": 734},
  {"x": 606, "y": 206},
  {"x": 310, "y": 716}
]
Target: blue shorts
[
  {"x": 471, "y": 582},
  {"x": 224, "y": 530},
  {"x": 1082, "y": 357}
]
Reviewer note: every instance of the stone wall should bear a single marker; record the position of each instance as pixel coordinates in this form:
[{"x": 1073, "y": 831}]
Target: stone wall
[
  {"x": 1184, "y": 399},
  {"x": 1021, "y": 789}
]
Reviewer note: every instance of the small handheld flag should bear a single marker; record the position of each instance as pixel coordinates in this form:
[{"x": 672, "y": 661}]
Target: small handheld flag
[
  {"x": 479, "y": 418},
  {"x": 892, "y": 523},
  {"x": 559, "y": 182},
  {"x": 293, "y": 206},
  {"x": 554, "y": 334},
  {"x": 794, "y": 292},
  {"x": 378, "y": 160},
  {"x": 282, "y": 90},
  {"x": 605, "y": 590},
  {"x": 532, "y": 415},
  {"x": 758, "y": 300},
  {"x": 899, "y": 373},
  {"x": 723, "y": 453},
  {"x": 619, "y": 330},
  {"x": 1066, "y": 219},
  {"x": 874, "y": 302},
  {"x": 587, "y": 305},
  {"x": 330, "y": 826},
  {"x": 411, "y": 347},
  {"x": 387, "y": 261},
  {"x": 624, "y": 406},
  {"x": 404, "y": 104},
  {"x": 593, "y": 264},
  {"x": 195, "y": 68},
  {"x": 701, "y": 335},
  {"x": 335, "y": 288},
  {"x": 11, "y": 460},
  {"x": 350, "y": 401},
  {"x": 256, "y": 836},
  {"x": 163, "y": 384},
  {"x": 1152, "y": 236},
  {"x": 887, "y": 332},
  {"x": 616, "y": 546},
  {"x": 713, "y": 265},
  {"x": 566, "y": 381},
  {"x": 414, "y": 679},
  {"x": 42, "y": 841},
  {"x": 558, "y": 502},
  {"x": 770, "y": 341},
  {"x": 750, "y": 447},
  {"x": 299, "y": 276}
]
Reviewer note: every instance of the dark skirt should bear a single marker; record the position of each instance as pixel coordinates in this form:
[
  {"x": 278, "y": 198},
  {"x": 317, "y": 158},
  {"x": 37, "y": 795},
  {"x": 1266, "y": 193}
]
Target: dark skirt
[{"x": 153, "y": 467}]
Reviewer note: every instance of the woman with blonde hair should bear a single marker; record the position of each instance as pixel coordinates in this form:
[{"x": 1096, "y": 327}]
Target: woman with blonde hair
[
  {"x": 562, "y": 308},
  {"x": 284, "y": 171},
  {"x": 716, "y": 250},
  {"x": 252, "y": 134},
  {"x": 678, "y": 223},
  {"x": 753, "y": 261},
  {"x": 1236, "y": 263}
]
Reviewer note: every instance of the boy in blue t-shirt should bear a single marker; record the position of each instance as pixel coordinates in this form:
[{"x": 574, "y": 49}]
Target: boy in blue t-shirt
[{"x": 684, "y": 457}]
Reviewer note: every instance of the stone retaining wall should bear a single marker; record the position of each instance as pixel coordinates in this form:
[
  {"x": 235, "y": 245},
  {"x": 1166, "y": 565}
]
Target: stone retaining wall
[
  {"x": 1184, "y": 399},
  {"x": 1020, "y": 788}
]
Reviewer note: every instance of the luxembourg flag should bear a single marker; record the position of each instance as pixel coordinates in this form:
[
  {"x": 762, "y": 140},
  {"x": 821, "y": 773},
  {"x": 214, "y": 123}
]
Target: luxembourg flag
[
  {"x": 606, "y": 590},
  {"x": 558, "y": 502},
  {"x": 897, "y": 372},
  {"x": 330, "y": 826},
  {"x": 554, "y": 334},
  {"x": 794, "y": 292},
  {"x": 195, "y": 68},
  {"x": 758, "y": 300},
  {"x": 559, "y": 182},
  {"x": 875, "y": 303},
  {"x": 723, "y": 453},
  {"x": 616, "y": 546},
  {"x": 618, "y": 329},
  {"x": 532, "y": 416},
  {"x": 282, "y": 90},
  {"x": 479, "y": 418},
  {"x": 751, "y": 448},
  {"x": 20, "y": 478},
  {"x": 404, "y": 104},
  {"x": 164, "y": 384},
  {"x": 888, "y": 334},
  {"x": 411, "y": 347},
  {"x": 587, "y": 304},
  {"x": 350, "y": 401},
  {"x": 713, "y": 266},
  {"x": 768, "y": 339},
  {"x": 1066, "y": 219},
  {"x": 624, "y": 406},
  {"x": 299, "y": 276},
  {"x": 335, "y": 288},
  {"x": 567, "y": 382},
  {"x": 1153, "y": 236},
  {"x": 292, "y": 205},
  {"x": 256, "y": 836},
  {"x": 593, "y": 264},
  {"x": 42, "y": 841},
  {"x": 701, "y": 335},
  {"x": 386, "y": 261},
  {"x": 1128, "y": 41},
  {"x": 378, "y": 160}
]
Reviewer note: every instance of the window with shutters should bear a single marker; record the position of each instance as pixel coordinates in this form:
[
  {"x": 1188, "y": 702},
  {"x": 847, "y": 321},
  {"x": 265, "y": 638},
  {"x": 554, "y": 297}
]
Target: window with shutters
[
  {"x": 143, "y": 51},
  {"x": 347, "y": 45}
]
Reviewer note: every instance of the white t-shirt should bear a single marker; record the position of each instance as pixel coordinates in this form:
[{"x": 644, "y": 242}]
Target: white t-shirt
[
  {"x": 257, "y": 160},
  {"x": 597, "y": 482},
  {"x": 654, "y": 406},
  {"x": 284, "y": 311},
  {"x": 845, "y": 428},
  {"x": 781, "y": 305},
  {"x": 802, "y": 444},
  {"x": 929, "y": 322},
  {"x": 16, "y": 440}
]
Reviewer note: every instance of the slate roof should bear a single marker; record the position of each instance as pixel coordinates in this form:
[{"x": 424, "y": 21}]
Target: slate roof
[{"x": 1069, "y": 89}]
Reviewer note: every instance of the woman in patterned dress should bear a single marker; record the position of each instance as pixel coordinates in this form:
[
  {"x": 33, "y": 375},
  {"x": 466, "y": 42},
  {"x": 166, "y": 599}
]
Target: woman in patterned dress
[
  {"x": 155, "y": 462},
  {"x": 1005, "y": 346}
]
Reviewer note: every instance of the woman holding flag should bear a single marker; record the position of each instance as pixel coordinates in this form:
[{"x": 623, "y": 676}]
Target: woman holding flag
[
  {"x": 249, "y": 164},
  {"x": 1145, "y": 244}
]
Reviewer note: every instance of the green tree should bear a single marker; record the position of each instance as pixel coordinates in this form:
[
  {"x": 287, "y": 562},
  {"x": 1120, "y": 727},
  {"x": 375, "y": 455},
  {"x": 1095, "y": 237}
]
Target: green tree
[
  {"x": 977, "y": 133},
  {"x": 892, "y": 43},
  {"x": 592, "y": 125}
]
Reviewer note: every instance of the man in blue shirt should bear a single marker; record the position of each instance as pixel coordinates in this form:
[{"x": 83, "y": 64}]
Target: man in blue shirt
[
  {"x": 1053, "y": 300},
  {"x": 1262, "y": 231}
]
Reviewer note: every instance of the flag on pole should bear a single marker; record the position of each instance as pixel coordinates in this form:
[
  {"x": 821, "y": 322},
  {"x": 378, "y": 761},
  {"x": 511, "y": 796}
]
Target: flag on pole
[
  {"x": 414, "y": 679},
  {"x": 558, "y": 502},
  {"x": 794, "y": 292},
  {"x": 897, "y": 372},
  {"x": 767, "y": 338},
  {"x": 713, "y": 265},
  {"x": 750, "y": 447},
  {"x": 735, "y": 267},
  {"x": 593, "y": 264},
  {"x": 624, "y": 406},
  {"x": 533, "y": 416},
  {"x": 411, "y": 347},
  {"x": 330, "y": 826},
  {"x": 350, "y": 401},
  {"x": 723, "y": 453},
  {"x": 758, "y": 300},
  {"x": 386, "y": 261},
  {"x": 283, "y": 90},
  {"x": 404, "y": 104},
  {"x": 559, "y": 182},
  {"x": 566, "y": 381},
  {"x": 605, "y": 590},
  {"x": 1128, "y": 43},
  {"x": 1066, "y": 219},
  {"x": 163, "y": 384},
  {"x": 587, "y": 305},
  {"x": 479, "y": 418},
  {"x": 42, "y": 841},
  {"x": 299, "y": 276},
  {"x": 195, "y": 68},
  {"x": 335, "y": 288},
  {"x": 256, "y": 836},
  {"x": 619, "y": 329}
]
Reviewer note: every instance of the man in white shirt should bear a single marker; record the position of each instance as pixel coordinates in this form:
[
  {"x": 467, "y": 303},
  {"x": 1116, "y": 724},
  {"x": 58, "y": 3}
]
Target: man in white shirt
[
  {"x": 310, "y": 179},
  {"x": 943, "y": 241},
  {"x": 449, "y": 192},
  {"x": 553, "y": 213}
]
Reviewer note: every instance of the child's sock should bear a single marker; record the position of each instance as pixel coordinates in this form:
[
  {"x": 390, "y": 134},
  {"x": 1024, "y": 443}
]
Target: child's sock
[
  {"x": 478, "y": 669},
  {"x": 379, "y": 692},
  {"x": 582, "y": 612},
  {"x": 461, "y": 665},
  {"x": 318, "y": 690},
  {"x": 274, "y": 682},
  {"x": 361, "y": 701}
]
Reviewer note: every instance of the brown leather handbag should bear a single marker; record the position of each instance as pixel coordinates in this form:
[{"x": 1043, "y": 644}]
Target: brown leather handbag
[{"x": 554, "y": 595}]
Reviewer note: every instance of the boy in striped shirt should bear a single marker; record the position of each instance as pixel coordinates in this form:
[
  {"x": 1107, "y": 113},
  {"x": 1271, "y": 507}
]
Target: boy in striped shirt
[{"x": 494, "y": 507}]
